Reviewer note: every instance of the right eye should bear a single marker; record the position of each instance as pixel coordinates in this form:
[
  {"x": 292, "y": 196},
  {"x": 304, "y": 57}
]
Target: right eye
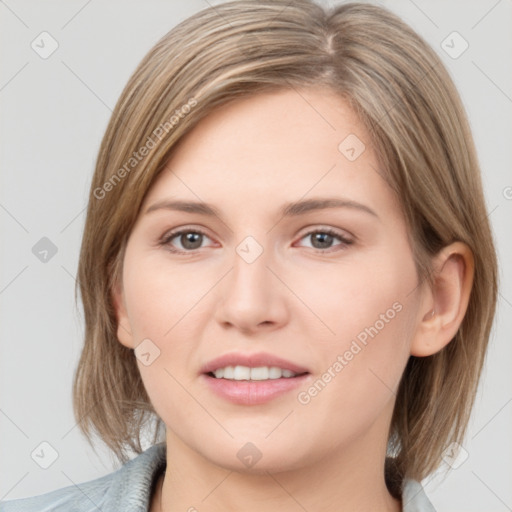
[{"x": 189, "y": 239}]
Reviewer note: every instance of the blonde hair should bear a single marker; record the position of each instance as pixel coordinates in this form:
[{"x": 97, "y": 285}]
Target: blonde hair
[{"x": 406, "y": 99}]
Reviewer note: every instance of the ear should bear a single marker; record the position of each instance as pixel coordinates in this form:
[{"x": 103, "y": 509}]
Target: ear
[
  {"x": 446, "y": 301},
  {"x": 124, "y": 334}
]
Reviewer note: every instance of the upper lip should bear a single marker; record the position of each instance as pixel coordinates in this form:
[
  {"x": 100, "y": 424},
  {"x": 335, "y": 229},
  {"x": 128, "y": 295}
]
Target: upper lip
[{"x": 252, "y": 361}]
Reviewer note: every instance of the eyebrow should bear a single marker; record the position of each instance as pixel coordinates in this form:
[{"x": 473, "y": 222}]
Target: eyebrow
[{"x": 292, "y": 209}]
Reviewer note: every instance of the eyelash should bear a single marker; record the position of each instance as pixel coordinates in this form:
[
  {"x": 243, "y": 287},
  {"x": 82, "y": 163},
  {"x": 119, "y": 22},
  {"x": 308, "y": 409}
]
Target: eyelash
[{"x": 165, "y": 241}]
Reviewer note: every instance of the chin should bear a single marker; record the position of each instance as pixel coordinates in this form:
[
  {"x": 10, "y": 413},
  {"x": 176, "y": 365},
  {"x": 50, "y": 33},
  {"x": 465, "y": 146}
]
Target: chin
[{"x": 257, "y": 457}]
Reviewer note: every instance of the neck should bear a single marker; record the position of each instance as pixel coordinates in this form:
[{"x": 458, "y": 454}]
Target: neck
[{"x": 349, "y": 478}]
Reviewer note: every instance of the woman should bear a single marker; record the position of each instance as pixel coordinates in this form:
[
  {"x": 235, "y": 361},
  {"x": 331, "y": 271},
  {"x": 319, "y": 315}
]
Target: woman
[{"x": 286, "y": 262}]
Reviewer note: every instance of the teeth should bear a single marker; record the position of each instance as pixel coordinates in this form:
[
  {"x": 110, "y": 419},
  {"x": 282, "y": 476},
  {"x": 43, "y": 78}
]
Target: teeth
[
  {"x": 246, "y": 373},
  {"x": 260, "y": 373},
  {"x": 219, "y": 373},
  {"x": 274, "y": 372}
]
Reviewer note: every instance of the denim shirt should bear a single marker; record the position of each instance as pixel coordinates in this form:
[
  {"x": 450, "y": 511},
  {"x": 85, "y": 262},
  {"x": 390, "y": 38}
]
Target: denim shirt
[{"x": 130, "y": 488}]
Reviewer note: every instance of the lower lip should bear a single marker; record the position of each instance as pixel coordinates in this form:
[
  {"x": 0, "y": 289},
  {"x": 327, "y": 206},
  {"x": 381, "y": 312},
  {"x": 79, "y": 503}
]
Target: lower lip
[{"x": 253, "y": 392}]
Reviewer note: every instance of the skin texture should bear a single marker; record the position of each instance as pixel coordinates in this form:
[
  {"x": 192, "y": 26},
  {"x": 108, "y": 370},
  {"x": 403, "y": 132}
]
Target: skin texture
[{"x": 296, "y": 300}]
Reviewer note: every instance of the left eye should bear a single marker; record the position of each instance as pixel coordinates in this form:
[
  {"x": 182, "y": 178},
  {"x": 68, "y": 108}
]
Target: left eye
[
  {"x": 191, "y": 240},
  {"x": 323, "y": 238}
]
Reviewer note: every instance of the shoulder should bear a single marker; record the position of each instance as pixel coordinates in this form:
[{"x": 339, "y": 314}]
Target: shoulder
[{"x": 127, "y": 489}]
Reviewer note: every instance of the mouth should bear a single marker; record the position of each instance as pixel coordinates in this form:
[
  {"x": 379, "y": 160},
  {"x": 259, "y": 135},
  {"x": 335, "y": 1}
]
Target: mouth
[
  {"x": 252, "y": 366},
  {"x": 258, "y": 373},
  {"x": 252, "y": 379}
]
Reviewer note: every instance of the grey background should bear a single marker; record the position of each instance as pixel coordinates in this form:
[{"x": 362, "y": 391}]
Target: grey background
[{"x": 54, "y": 113}]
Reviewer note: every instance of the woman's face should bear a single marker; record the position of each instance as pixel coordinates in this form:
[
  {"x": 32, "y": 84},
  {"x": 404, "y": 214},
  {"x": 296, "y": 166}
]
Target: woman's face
[{"x": 273, "y": 279}]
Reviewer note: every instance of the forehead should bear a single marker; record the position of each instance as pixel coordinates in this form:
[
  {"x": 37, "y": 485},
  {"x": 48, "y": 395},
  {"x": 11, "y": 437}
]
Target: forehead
[
  {"x": 273, "y": 146},
  {"x": 287, "y": 122}
]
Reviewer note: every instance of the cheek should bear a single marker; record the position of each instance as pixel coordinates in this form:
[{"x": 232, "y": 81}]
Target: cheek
[
  {"x": 162, "y": 296},
  {"x": 358, "y": 298},
  {"x": 165, "y": 306},
  {"x": 358, "y": 378},
  {"x": 373, "y": 323},
  {"x": 161, "y": 304}
]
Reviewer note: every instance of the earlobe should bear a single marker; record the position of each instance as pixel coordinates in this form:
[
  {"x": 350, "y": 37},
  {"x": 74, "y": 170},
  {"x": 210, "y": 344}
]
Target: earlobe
[
  {"x": 124, "y": 334},
  {"x": 447, "y": 300}
]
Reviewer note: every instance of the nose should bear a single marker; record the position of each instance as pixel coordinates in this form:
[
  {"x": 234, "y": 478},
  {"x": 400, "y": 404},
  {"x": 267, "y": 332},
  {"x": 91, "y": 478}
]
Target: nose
[{"x": 252, "y": 297}]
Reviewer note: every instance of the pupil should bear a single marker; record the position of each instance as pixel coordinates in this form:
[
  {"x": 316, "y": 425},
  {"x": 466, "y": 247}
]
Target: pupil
[
  {"x": 324, "y": 238},
  {"x": 190, "y": 243}
]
